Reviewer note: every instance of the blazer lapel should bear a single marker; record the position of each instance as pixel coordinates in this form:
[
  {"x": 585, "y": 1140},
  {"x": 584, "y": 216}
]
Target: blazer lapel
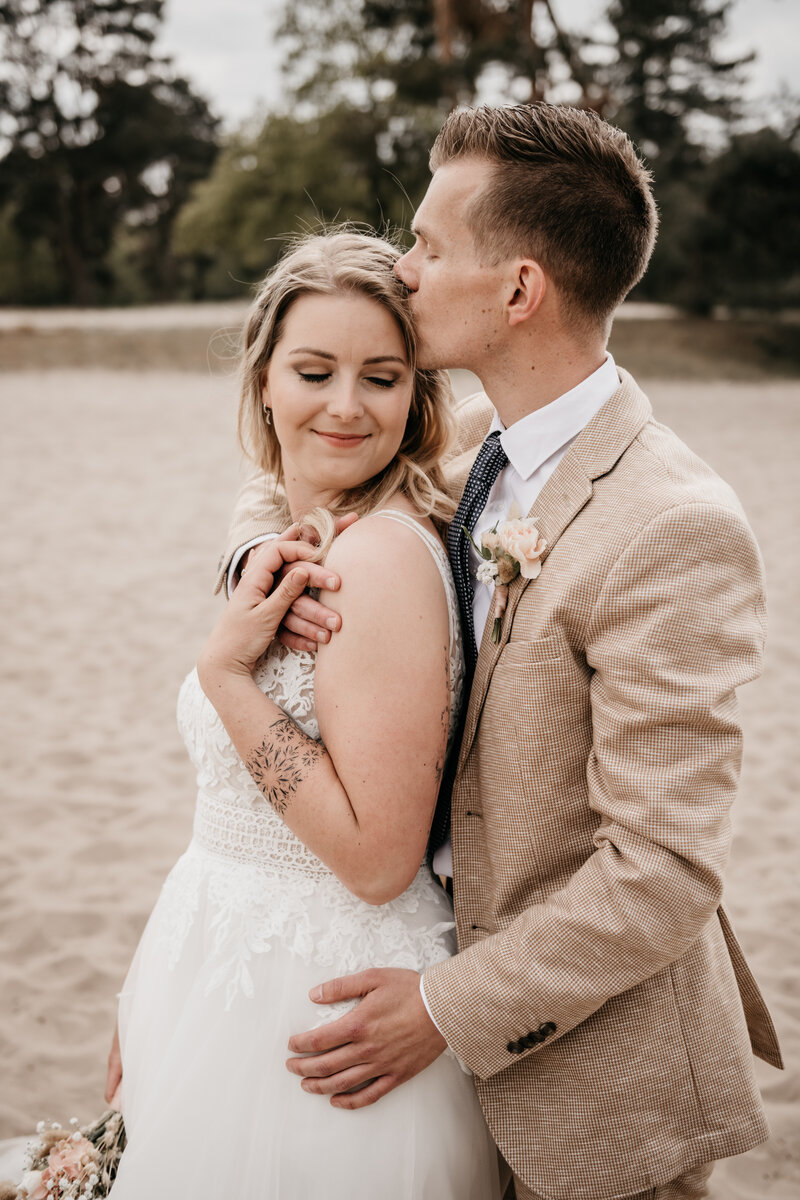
[{"x": 593, "y": 454}]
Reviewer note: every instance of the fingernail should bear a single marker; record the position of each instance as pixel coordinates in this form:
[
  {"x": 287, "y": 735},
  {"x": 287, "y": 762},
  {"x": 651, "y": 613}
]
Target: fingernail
[
  {"x": 322, "y": 636},
  {"x": 315, "y": 993},
  {"x": 332, "y": 622},
  {"x": 331, "y": 582},
  {"x": 311, "y": 646}
]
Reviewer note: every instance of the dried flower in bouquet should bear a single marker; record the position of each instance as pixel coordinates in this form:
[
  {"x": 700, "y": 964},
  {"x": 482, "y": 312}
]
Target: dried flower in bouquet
[{"x": 78, "y": 1164}]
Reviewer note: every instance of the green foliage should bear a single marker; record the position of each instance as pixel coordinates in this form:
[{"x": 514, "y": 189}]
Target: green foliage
[
  {"x": 667, "y": 86},
  {"x": 289, "y": 177},
  {"x": 28, "y": 274},
  {"x": 111, "y": 188},
  {"x": 429, "y": 54},
  {"x": 371, "y": 82},
  {"x": 100, "y": 133},
  {"x": 672, "y": 92},
  {"x": 744, "y": 249}
]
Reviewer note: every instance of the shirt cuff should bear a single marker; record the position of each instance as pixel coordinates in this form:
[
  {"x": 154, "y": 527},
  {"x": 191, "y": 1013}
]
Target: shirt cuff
[
  {"x": 425, "y": 1002},
  {"x": 443, "y": 858},
  {"x": 232, "y": 577}
]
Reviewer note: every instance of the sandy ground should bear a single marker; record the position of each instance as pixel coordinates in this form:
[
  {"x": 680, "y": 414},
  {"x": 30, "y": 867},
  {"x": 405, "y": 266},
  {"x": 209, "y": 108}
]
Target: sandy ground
[{"x": 117, "y": 488}]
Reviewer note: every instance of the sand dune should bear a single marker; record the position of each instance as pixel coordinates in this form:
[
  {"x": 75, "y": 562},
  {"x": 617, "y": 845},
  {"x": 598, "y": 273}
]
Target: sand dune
[{"x": 117, "y": 489}]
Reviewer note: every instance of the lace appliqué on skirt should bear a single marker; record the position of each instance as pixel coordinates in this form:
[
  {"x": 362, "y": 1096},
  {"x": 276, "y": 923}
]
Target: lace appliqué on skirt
[{"x": 315, "y": 918}]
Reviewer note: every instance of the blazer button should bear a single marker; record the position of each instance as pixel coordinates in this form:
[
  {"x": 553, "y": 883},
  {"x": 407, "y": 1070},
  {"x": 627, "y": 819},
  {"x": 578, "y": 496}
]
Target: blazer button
[
  {"x": 546, "y": 1029},
  {"x": 514, "y": 1048}
]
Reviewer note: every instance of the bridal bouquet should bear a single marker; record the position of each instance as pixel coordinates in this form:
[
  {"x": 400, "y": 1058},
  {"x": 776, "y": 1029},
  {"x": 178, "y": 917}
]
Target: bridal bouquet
[{"x": 74, "y": 1164}]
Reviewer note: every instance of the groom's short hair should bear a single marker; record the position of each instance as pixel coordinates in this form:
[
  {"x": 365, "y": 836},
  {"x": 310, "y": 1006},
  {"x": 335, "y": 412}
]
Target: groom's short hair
[{"x": 569, "y": 191}]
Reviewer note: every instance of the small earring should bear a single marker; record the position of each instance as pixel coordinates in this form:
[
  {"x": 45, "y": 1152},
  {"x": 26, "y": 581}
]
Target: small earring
[{"x": 267, "y": 413}]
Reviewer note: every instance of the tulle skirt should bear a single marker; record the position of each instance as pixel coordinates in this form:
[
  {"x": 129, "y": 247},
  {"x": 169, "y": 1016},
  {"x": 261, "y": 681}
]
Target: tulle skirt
[{"x": 212, "y": 1112}]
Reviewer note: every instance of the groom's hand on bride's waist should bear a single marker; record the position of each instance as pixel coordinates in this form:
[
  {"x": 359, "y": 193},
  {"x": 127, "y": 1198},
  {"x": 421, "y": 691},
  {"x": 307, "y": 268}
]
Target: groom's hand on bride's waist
[{"x": 384, "y": 1041}]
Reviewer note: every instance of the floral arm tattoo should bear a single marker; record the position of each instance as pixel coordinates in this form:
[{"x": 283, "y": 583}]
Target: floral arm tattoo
[{"x": 282, "y": 762}]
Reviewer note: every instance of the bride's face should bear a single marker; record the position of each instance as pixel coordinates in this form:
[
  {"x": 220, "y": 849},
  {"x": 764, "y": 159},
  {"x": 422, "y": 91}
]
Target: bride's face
[{"x": 339, "y": 386}]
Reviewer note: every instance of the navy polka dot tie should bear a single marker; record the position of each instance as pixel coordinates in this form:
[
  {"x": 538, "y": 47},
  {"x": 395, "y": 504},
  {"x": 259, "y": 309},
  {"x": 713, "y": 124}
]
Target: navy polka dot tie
[{"x": 487, "y": 466}]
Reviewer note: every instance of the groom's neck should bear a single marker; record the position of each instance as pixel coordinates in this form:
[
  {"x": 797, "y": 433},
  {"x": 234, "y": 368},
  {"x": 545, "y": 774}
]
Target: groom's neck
[{"x": 537, "y": 370}]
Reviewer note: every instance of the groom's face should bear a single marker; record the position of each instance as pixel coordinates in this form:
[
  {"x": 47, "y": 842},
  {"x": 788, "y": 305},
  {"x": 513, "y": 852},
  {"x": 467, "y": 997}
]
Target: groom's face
[{"x": 457, "y": 300}]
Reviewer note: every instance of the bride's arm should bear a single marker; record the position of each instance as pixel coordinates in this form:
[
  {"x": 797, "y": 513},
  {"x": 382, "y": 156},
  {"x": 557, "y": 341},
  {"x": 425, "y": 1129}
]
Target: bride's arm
[
  {"x": 114, "y": 1072},
  {"x": 362, "y": 800}
]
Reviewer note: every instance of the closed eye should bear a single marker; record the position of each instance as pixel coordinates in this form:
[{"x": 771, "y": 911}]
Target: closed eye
[
  {"x": 379, "y": 382},
  {"x": 313, "y": 377}
]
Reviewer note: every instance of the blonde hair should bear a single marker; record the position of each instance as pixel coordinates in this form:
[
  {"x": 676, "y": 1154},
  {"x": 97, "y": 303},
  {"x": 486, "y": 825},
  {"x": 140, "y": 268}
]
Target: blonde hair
[{"x": 346, "y": 262}]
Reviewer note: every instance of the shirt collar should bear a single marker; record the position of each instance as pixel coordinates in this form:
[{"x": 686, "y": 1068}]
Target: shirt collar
[{"x": 530, "y": 441}]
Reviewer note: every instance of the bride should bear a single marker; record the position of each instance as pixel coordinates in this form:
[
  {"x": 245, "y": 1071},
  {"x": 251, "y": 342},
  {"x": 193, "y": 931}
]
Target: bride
[{"x": 317, "y": 779}]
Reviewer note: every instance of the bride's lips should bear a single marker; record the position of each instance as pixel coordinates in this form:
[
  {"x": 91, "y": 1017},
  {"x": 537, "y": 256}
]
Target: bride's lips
[{"x": 342, "y": 441}]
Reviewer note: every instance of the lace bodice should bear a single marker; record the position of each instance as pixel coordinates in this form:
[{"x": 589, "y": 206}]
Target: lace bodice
[{"x": 257, "y": 873}]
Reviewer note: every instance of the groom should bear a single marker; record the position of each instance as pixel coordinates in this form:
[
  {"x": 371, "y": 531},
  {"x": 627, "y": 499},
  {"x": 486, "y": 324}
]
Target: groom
[{"x": 599, "y": 995}]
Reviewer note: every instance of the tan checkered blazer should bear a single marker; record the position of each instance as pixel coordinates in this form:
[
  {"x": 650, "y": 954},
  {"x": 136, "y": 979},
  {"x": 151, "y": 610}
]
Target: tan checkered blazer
[{"x": 599, "y": 994}]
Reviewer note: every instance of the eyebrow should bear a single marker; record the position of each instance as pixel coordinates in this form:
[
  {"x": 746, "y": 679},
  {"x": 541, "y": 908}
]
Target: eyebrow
[
  {"x": 311, "y": 350},
  {"x": 379, "y": 358}
]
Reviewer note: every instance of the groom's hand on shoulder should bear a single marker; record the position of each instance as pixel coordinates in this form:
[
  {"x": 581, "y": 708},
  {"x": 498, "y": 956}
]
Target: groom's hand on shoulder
[{"x": 386, "y": 1039}]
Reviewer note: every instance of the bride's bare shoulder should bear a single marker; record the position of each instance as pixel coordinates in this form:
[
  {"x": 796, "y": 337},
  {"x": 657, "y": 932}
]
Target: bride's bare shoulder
[{"x": 383, "y": 559}]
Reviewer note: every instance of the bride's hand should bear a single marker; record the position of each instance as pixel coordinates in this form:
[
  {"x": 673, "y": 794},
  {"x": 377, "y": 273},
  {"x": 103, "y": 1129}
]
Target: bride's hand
[
  {"x": 114, "y": 1073},
  {"x": 250, "y": 620},
  {"x": 308, "y": 623}
]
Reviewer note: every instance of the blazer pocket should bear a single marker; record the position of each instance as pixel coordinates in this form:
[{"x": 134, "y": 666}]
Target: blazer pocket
[
  {"x": 530, "y": 653},
  {"x": 536, "y": 739}
]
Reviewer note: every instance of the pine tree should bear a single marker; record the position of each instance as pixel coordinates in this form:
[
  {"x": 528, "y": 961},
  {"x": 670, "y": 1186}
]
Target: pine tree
[
  {"x": 672, "y": 92},
  {"x": 97, "y": 131}
]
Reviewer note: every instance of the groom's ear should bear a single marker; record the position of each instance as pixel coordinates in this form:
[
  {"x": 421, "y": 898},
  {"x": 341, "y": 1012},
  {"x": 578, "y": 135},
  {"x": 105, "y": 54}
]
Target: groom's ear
[{"x": 527, "y": 286}]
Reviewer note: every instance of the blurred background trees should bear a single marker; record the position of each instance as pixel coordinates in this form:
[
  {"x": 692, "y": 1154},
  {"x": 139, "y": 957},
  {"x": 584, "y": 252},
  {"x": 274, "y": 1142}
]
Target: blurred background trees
[
  {"x": 116, "y": 185},
  {"x": 102, "y": 145}
]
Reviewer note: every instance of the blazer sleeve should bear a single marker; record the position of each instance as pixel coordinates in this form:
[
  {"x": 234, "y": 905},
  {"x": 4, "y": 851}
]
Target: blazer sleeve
[
  {"x": 678, "y": 625},
  {"x": 260, "y": 509}
]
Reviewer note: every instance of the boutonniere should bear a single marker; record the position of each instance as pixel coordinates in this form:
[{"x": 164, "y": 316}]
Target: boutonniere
[{"x": 510, "y": 548}]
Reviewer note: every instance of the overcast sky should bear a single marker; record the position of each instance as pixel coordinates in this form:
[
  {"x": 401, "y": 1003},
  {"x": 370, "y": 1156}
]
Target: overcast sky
[{"x": 226, "y": 47}]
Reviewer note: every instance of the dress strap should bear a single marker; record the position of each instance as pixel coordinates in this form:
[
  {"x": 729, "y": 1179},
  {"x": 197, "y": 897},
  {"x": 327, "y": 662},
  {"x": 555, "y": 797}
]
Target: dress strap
[{"x": 434, "y": 545}]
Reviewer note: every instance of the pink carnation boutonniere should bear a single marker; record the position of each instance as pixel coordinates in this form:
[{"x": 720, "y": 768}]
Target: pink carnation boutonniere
[{"x": 510, "y": 548}]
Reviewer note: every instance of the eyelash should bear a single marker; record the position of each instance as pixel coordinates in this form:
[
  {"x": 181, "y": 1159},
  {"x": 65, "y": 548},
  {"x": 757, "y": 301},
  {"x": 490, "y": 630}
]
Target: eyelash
[{"x": 308, "y": 377}]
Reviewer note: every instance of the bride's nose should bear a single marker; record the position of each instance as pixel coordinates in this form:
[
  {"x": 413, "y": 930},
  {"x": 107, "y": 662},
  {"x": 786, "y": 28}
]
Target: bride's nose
[{"x": 344, "y": 401}]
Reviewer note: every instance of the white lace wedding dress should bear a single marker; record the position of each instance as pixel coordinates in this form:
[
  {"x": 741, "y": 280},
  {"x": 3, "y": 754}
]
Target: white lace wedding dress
[{"x": 247, "y": 922}]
